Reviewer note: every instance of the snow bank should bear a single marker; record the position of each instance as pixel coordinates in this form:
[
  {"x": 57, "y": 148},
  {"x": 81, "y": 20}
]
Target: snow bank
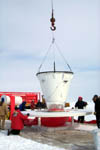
[
  {"x": 19, "y": 143},
  {"x": 96, "y": 135},
  {"x": 86, "y": 127}
]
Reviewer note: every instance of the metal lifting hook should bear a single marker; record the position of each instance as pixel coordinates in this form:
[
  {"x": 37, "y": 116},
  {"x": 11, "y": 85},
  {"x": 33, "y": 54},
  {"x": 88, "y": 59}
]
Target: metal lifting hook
[
  {"x": 52, "y": 20},
  {"x": 53, "y": 28}
]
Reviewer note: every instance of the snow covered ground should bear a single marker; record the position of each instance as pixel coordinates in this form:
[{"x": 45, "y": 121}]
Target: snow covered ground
[
  {"x": 14, "y": 142},
  {"x": 19, "y": 143}
]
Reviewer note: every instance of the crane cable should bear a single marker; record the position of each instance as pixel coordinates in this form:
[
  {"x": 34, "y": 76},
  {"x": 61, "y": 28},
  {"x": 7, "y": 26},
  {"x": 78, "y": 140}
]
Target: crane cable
[
  {"x": 53, "y": 28},
  {"x": 52, "y": 23}
]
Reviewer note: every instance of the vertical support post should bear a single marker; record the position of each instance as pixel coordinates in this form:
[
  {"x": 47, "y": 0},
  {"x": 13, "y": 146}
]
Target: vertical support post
[
  {"x": 54, "y": 67},
  {"x": 12, "y": 105},
  {"x": 39, "y": 121},
  {"x": 72, "y": 121}
]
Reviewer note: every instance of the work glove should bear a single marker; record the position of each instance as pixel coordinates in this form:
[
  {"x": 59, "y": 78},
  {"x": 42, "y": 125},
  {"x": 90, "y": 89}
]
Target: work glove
[{"x": 28, "y": 114}]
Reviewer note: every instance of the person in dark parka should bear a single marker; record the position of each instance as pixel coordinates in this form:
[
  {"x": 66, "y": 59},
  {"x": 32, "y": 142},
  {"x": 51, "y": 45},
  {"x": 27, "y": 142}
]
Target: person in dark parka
[
  {"x": 96, "y": 100},
  {"x": 39, "y": 104},
  {"x": 80, "y": 104},
  {"x": 22, "y": 106}
]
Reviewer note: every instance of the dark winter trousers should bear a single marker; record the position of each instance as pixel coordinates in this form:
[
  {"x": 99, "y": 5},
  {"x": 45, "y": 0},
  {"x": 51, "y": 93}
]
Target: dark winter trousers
[
  {"x": 14, "y": 132},
  {"x": 98, "y": 120},
  {"x": 81, "y": 119}
]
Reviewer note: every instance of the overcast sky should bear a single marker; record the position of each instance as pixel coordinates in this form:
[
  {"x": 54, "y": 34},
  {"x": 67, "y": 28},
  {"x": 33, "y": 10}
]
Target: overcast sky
[{"x": 25, "y": 37}]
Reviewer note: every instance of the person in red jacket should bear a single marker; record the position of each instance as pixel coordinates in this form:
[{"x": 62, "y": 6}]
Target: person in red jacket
[
  {"x": 32, "y": 106},
  {"x": 17, "y": 122}
]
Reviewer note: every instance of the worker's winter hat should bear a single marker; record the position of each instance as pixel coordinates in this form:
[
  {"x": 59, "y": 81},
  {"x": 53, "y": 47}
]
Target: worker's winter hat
[
  {"x": 2, "y": 99},
  {"x": 16, "y": 107},
  {"x": 95, "y": 96},
  {"x": 80, "y": 98}
]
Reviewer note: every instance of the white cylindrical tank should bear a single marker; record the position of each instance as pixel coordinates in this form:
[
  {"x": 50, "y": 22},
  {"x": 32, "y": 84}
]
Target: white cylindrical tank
[
  {"x": 18, "y": 100},
  {"x": 7, "y": 99},
  {"x": 55, "y": 86}
]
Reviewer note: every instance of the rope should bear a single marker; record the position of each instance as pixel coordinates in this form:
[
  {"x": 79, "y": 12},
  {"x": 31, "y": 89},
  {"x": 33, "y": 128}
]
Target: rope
[
  {"x": 53, "y": 42},
  {"x": 63, "y": 57},
  {"x": 45, "y": 57}
]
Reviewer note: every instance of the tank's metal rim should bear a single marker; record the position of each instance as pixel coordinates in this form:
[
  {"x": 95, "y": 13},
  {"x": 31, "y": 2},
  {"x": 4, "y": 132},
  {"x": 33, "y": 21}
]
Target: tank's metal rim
[{"x": 55, "y": 72}]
